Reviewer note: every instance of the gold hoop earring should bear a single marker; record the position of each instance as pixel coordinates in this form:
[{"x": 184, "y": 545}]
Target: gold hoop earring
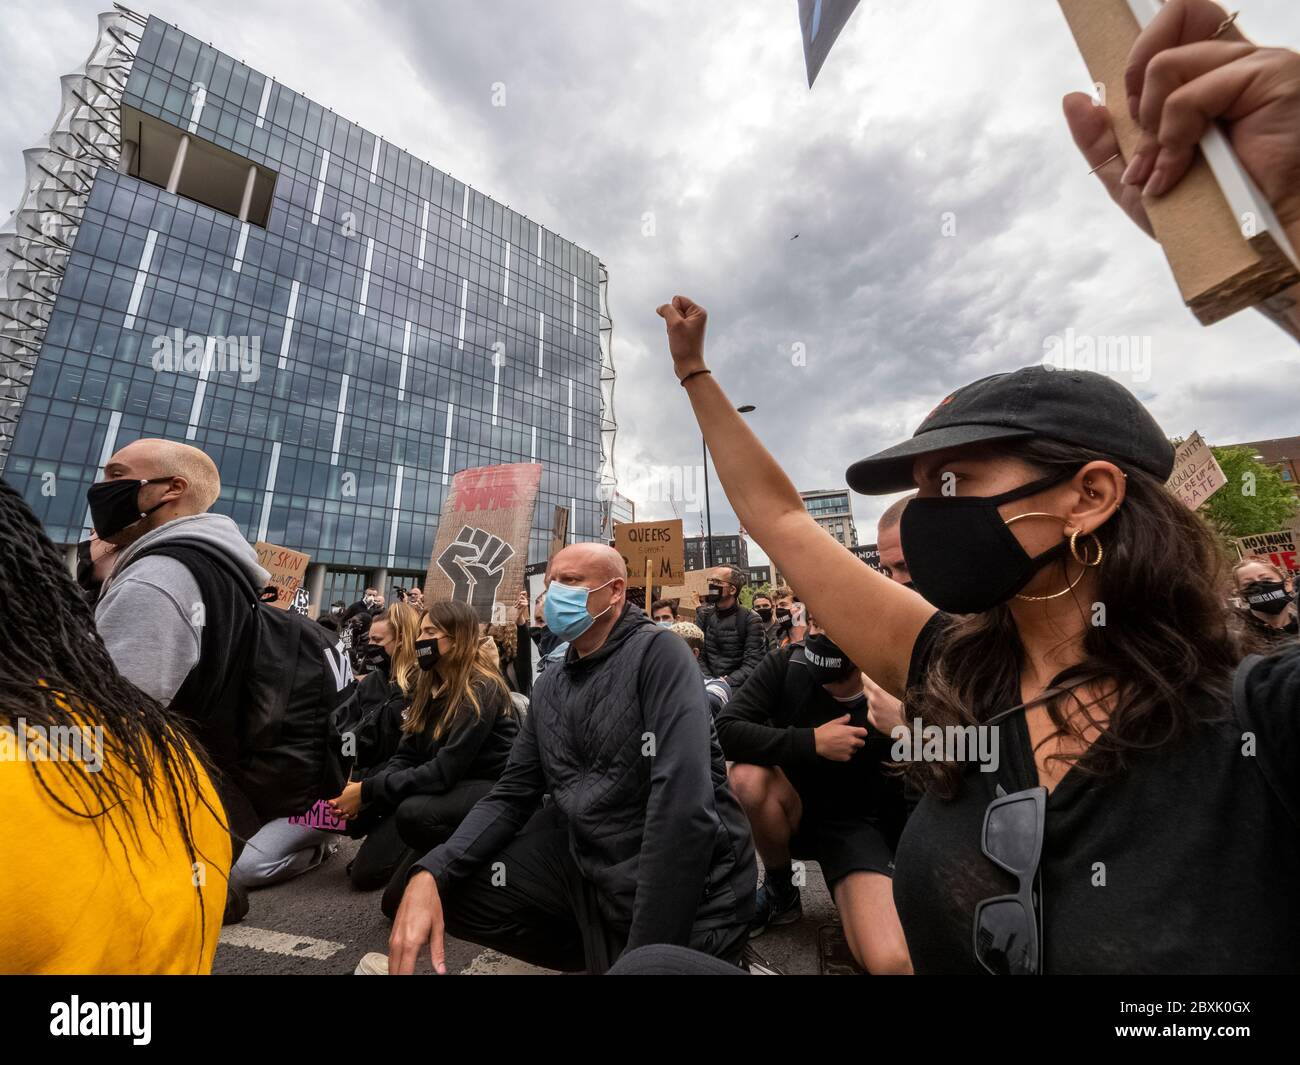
[
  {"x": 1074, "y": 549},
  {"x": 1055, "y": 595}
]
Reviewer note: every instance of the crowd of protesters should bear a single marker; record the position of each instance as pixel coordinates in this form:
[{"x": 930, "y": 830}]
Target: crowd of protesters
[{"x": 1124, "y": 799}]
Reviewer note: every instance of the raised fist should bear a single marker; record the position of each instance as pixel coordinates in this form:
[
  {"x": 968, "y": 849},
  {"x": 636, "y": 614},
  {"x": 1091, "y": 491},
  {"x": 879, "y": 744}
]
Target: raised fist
[{"x": 475, "y": 563}]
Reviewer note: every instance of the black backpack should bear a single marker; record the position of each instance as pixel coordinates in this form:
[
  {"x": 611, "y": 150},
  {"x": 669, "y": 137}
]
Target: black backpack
[{"x": 273, "y": 696}]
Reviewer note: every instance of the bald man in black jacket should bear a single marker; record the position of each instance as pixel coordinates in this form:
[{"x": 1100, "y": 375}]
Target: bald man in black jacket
[{"x": 642, "y": 841}]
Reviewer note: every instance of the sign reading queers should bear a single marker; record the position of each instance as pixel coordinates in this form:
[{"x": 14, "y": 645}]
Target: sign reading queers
[
  {"x": 482, "y": 543},
  {"x": 658, "y": 542},
  {"x": 287, "y": 569}
]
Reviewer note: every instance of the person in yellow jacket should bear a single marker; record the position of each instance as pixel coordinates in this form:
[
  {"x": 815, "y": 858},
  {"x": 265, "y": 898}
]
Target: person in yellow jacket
[{"x": 114, "y": 850}]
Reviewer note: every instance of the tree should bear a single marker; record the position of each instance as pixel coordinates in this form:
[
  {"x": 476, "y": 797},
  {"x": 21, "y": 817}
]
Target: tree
[{"x": 1255, "y": 499}]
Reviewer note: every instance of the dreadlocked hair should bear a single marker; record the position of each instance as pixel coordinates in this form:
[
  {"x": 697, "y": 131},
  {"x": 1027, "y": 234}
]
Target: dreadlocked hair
[{"x": 57, "y": 675}]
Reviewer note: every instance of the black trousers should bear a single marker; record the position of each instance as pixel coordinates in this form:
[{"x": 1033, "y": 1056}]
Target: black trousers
[
  {"x": 420, "y": 822},
  {"x": 533, "y": 903}
]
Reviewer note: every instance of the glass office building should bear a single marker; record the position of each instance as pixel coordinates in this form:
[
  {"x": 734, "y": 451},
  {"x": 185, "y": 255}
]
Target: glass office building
[{"x": 204, "y": 255}]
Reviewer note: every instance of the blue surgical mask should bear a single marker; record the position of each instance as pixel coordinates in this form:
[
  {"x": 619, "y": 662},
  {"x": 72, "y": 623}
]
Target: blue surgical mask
[
  {"x": 566, "y": 611},
  {"x": 664, "y": 624}
]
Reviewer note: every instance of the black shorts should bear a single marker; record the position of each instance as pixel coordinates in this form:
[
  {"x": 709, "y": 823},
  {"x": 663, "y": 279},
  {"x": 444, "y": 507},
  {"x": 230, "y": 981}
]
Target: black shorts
[{"x": 842, "y": 845}]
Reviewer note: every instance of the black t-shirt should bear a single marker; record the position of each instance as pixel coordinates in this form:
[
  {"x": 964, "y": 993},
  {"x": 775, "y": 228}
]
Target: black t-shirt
[{"x": 1198, "y": 846}]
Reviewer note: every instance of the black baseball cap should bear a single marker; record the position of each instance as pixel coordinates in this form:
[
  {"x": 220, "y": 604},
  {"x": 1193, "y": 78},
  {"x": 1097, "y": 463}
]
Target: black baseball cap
[{"x": 1077, "y": 407}]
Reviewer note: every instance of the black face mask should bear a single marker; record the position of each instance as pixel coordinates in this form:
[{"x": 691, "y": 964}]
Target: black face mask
[
  {"x": 115, "y": 505},
  {"x": 826, "y": 662},
  {"x": 1268, "y": 597},
  {"x": 535, "y": 632},
  {"x": 427, "y": 653},
  {"x": 963, "y": 557},
  {"x": 715, "y": 594},
  {"x": 764, "y": 612},
  {"x": 377, "y": 657},
  {"x": 783, "y": 617}
]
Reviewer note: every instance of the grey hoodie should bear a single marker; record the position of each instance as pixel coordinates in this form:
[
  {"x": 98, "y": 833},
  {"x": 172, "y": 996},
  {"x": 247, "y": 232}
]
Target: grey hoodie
[{"x": 151, "y": 615}]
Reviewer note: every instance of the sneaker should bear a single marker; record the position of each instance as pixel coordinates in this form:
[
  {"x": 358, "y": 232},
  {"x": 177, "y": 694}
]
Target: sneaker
[
  {"x": 372, "y": 964},
  {"x": 773, "y": 908},
  {"x": 236, "y": 903}
]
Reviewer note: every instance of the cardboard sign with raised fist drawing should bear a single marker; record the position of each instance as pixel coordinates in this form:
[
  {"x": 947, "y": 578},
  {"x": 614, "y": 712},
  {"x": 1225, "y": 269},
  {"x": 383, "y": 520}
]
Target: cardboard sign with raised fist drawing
[{"x": 482, "y": 543}]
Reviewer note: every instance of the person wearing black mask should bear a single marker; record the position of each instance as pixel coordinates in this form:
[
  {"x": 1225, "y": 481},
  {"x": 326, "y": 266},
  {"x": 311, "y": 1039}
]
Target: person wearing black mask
[
  {"x": 1268, "y": 601},
  {"x": 889, "y": 543},
  {"x": 545, "y": 640},
  {"x": 734, "y": 642},
  {"x": 812, "y": 777},
  {"x": 455, "y": 740},
  {"x": 762, "y": 605},
  {"x": 1093, "y": 657}
]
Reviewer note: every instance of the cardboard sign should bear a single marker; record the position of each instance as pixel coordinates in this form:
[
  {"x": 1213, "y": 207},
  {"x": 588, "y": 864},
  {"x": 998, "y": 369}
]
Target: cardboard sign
[
  {"x": 287, "y": 569},
  {"x": 1223, "y": 242},
  {"x": 1197, "y": 474},
  {"x": 820, "y": 22},
  {"x": 320, "y": 816},
  {"x": 694, "y": 580},
  {"x": 559, "y": 530},
  {"x": 481, "y": 548},
  {"x": 1278, "y": 547},
  {"x": 657, "y": 543}
]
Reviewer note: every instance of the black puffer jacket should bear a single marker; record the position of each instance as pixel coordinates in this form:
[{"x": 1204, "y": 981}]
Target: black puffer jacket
[
  {"x": 734, "y": 642},
  {"x": 658, "y": 834}
]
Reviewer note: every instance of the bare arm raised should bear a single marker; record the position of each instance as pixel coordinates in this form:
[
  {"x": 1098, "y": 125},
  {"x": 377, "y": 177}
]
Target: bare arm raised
[{"x": 873, "y": 619}]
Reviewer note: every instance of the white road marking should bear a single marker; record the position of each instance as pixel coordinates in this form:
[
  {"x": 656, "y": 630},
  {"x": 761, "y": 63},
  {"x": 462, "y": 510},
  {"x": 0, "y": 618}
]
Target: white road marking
[{"x": 279, "y": 942}]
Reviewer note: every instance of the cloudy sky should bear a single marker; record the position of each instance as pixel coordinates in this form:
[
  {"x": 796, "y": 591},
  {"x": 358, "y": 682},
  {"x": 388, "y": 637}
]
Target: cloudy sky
[{"x": 679, "y": 142}]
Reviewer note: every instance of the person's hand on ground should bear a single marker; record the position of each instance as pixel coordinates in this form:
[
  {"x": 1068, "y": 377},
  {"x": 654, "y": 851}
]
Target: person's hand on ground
[{"x": 419, "y": 921}]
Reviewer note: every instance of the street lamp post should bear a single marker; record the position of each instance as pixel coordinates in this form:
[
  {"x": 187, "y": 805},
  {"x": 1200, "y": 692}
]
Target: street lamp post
[{"x": 708, "y": 516}]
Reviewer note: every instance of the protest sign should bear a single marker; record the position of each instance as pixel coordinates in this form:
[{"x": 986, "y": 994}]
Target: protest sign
[
  {"x": 481, "y": 548},
  {"x": 559, "y": 530},
  {"x": 1197, "y": 474},
  {"x": 659, "y": 543},
  {"x": 287, "y": 569},
  {"x": 322, "y": 817},
  {"x": 1278, "y": 547},
  {"x": 1223, "y": 242}
]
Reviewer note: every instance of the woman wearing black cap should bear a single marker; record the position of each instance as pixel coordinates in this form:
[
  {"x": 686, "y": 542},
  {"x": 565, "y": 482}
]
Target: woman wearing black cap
[
  {"x": 1094, "y": 636},
  {"x": 1138, "y": 807}
]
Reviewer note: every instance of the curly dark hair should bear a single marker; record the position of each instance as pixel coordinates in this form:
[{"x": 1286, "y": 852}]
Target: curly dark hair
[{"x": 1165, "y": 654}]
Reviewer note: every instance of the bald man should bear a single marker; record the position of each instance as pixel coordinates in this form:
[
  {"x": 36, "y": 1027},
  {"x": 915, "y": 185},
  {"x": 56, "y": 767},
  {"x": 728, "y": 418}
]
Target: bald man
[
  {"x": 161, "y": 632},
  {"x": 889, "y": 543},
  {"x": 642, "y": 842}
]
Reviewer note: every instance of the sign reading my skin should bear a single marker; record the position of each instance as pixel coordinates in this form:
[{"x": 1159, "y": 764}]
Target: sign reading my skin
[{"x": 287, "y": 569}]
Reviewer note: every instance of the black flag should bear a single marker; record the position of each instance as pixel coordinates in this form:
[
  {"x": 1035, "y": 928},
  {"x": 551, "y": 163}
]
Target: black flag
[{"x": 820, "y": 22}]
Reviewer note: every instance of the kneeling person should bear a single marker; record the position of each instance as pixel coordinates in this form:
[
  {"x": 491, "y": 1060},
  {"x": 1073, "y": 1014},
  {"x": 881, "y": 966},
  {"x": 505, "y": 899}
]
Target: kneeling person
[
  {"x": 642, "y": 841},
  {"x": 811, "y": 775}
]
